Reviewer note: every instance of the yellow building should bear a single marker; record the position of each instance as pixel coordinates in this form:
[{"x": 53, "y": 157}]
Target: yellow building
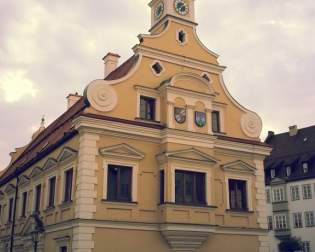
[{"x": 158, "y": 156}]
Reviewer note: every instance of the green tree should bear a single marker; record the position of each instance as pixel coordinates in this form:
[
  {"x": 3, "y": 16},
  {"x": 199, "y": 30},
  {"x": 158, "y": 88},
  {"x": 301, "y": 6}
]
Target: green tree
[{"x": 291, "y": 244}]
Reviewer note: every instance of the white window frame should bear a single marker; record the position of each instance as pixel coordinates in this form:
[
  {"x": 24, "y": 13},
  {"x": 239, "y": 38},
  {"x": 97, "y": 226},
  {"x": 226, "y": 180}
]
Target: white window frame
[
  {"x": 295, "y": 193},
  {"x": 281, "y": 194},
  {"x": 48, "y": 189},
  {"x": 142, "y": 91},
  {"x": 249, "y": 182},
  {"x": 270, "y": 223},
  {"x": 307, "y": 191},
  {"x": 288, "y": 171},
  {"x": 281, "y": 222},
  {"x": 151, "y": 67},
  {"x": 305, "y": 167},
  {"x": 208, "y": 176},
  {"x": 297, "y": 218},
  {"x": 272, "y": 173},
  {"x": 306, "y": 246},
  {"x": 134, "y": 178},
  {"x": 309, "y": 219},
  {"x": 63, "y": 181}
]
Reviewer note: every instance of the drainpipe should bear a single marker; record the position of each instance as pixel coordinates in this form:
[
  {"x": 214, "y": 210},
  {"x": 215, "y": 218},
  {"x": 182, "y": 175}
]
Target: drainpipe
[{"x": 14, "y": 214}]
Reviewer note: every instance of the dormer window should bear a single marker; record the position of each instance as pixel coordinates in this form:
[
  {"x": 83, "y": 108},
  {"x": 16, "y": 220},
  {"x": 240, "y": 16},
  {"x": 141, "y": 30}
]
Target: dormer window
[
  {"x": 272, "y": 173},
  {"x": 147, "y": 108},
  {"x": 182, "y": 37},
  {"x": 288, "y": 171},
  {"x": 157, "y": 68},
  {"x": 305, "y": 167}
]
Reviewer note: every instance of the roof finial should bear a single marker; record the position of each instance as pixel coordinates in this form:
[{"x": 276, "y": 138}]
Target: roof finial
[{"x": 42, "y": 124}]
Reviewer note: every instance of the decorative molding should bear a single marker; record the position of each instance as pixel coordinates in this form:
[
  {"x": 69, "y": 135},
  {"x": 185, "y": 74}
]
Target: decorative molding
[
  {"x": 24, "y": 180},
  {"x": 190, "y": 155},
  {"x": 66, "y": 154},
  {"x": 123, "y": 151},
  {"x": 37, "y": 171},
  {"x": 239, "y": 167},
  {"x": 49, "y": 164},
  {"x": 101, "y": 96},
  {"x": 10, "y": 188},
  {"x": 251, "y": 125},
  {"x": 180, "y": 240}
]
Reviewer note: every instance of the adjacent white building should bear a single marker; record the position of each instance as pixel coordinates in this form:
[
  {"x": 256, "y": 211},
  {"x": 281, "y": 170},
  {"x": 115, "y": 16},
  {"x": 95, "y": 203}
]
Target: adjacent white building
[{"x": 290, "y": 187}]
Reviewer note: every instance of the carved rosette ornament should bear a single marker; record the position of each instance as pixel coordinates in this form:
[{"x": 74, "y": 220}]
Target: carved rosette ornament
[
  {"x": 251, "y": 125},
  {"x": 101, "y": 96}
]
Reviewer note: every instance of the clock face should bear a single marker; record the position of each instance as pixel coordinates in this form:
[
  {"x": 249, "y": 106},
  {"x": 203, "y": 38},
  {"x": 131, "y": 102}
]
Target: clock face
[
  {"x": 159, "y": 9},
  {"x": 181, "y": 7}
]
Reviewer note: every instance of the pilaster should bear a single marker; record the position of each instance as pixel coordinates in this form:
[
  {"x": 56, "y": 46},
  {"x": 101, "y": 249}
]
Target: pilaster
[
  {"x": 261, "y": 204},
  {"x": 86, "y": 191},
  {"x": 190, "y": 118}
]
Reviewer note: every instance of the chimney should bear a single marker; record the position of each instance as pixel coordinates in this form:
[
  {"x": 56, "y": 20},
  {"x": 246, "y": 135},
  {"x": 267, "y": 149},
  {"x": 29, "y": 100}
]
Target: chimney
[
  {"x": 111, "y": 62},
  {"x": 293, "y": 130},
  {"x": 72, "y": 99}
]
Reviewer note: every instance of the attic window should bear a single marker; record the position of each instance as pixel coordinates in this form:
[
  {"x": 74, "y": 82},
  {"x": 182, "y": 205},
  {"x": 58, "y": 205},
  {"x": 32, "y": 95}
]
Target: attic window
[
  {"x": 182, "y": 37},
  {"x": 305, "y": 167},
  {"x": 272, "y": 173},
  {"x": 157, "y": 68},
  {"x": 288, "y": 171}
]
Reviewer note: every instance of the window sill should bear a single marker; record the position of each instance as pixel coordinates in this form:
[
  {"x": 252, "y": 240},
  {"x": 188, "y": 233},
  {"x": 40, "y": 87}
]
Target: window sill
[
  {"x": 123, "y": 203},
  {"x": 219, "y": 133},
  {"x": 187, "y": 205},
  {"x": 50, "y": 209},
  {"x": 236, "y": 211},
  {"x": 148, "y": 121},
  {"x": 65, "y": 205}
]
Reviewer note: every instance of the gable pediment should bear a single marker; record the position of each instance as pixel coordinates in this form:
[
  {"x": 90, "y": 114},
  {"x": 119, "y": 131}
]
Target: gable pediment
[
  {"x": 49, "y": 164},
  {"x": 10, "y": 188},
  {"x": 36, "y": 172},
  {"x": 122, "y": 151},
  {"x": 66, "y": 154},
  {"x": 189, "y": 155},
  {"x": 239, "y": 167},
  {"x": 33, "y": 222},
  {"x": 23, "y": 180}
]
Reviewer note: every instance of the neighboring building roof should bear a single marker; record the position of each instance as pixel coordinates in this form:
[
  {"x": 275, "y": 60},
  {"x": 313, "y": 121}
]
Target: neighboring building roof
[
  {"x": 291, "y": 150},
  {"x": 47, "y": 140}
]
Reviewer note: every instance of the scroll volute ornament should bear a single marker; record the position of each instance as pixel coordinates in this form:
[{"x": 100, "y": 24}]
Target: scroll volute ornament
[
  {"x": 251, "y": 125},
  {"x": 101, "y": 96}
]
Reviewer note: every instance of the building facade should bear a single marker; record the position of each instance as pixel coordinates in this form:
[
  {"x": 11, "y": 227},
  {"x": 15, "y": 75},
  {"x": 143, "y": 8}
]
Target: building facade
[
  {"x": 290, "y": 187},
  {"x": 156, "y": 156}
]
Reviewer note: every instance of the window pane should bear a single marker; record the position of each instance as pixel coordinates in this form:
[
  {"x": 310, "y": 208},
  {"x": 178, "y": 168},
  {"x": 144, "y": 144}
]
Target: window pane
[
  {"x": 189, "y": 181},
  {"x": 112, "y": 183},
  {"x": 38, "y": 196},
  {"x": 68, "y": 185},
  {"x": 179, "y": 187},
  {"x": 162, "y": 187},
  {"x": 125, "y": 184},
  {"x": 216, "y": 121},
  {"x": 24, "y": 202},
  {"x": 52, "y": 189},
  {"x": 147, "y": 108},
  {"x": 200, "y": 190},
  {"x": 238, "y": 194}
]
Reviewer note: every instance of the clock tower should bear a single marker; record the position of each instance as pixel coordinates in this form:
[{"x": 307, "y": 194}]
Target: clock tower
[{"x": 182, "y": 9}]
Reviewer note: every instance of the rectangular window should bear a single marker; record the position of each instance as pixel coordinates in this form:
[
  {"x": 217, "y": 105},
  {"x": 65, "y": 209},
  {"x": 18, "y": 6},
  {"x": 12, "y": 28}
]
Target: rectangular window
[
  {"x": 162, "y": 187},
  {"x": 309, "y": 219},
  {"x": 10, "y": 209},
  {"x": 306, "y": 246},
  {"x": 272, "y": 173},
  {"x": 0, "y": 214},
  {"x": 119, "y": 183},
  {"x": 268, "y": 197},
  {"x": 68, "y": 186},
  {"x": 189, "y": 188},
  {"x": 307, "y": 191},
  {"x": 288, "y": 170},
  {"x": 24, "y": 204},
  {"x": 281, "y": 222},
  {"x": 147, "y": 108},
  {"x": 305, "y": 167},
  {"x": 297, "y": 220},
  {"x": 270, "y": 222},
  {"x": 51, "y": 192},
  {"x": 238, "y": 195},
  {"x": 38, "y": 192},
  {"x": 295, "y": 193},
  {"x": 216, "y": 121},
  {"x": 63, "y": 249},
  {"x": 278, "y": 194}
]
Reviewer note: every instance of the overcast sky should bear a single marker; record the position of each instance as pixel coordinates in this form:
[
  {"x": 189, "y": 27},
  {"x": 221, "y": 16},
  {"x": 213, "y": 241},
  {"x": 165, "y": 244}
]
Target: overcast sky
[{"x": 49, "y": 49}]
